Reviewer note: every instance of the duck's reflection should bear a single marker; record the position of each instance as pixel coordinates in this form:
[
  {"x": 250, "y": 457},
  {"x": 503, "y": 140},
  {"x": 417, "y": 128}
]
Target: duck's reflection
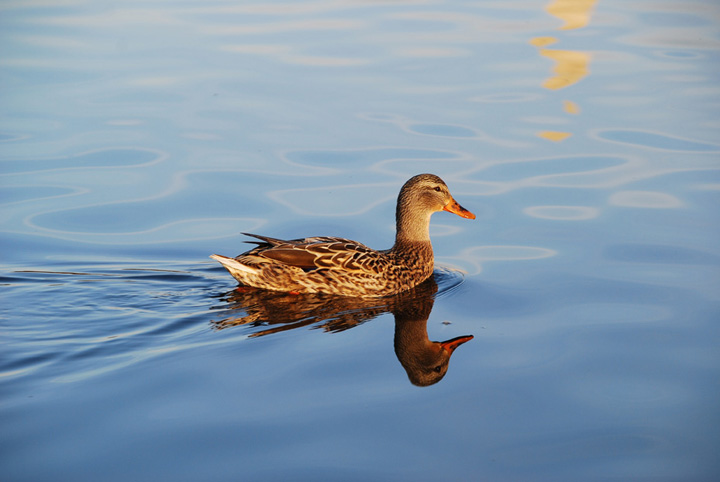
[{"x": 425, "y": 361}]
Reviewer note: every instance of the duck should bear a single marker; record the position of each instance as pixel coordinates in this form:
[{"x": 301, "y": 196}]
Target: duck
[{"x": 339, "y": 266}]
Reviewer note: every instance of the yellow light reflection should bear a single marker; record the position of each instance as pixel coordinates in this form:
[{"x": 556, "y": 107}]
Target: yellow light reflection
[
  {"x": 554, "y": 135},
  {"x": 570, "y": 66},
  {"x": 542, "y": 41},
  {"x": 571, "y": 107},
  {"x": 575, "y": 13}
]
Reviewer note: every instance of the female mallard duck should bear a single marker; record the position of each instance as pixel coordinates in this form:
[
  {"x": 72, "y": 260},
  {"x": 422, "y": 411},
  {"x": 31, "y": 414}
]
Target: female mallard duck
[{"x": 343, "y": 267}]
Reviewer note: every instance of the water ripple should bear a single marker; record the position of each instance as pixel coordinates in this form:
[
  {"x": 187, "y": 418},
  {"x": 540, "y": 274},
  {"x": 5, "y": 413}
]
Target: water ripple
[
  {"x": 562, "y": 213},
  {"x": 140, "y": 313},
  {"x": 660, "y": 254},
  {"x": 645, "y": 199},
  {"x": 654, "y": 140},
  {"x": 101, "y": 158},
  {"x": 474, "y": 257},
  {"x": 452, "y": 131}
]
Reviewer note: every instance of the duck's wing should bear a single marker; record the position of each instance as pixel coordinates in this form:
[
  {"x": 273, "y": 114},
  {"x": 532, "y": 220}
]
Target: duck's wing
[{"x": 320, "y": 252}]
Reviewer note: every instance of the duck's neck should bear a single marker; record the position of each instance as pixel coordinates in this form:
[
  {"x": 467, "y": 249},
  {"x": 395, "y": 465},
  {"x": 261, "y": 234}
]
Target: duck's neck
[
  {"x": 411, "y": 339},
  {"x": 412, "y": 227}
]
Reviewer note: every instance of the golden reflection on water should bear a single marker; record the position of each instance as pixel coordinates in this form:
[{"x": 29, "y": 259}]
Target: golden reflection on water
[
  {"x": 571, "y": 107},
  {"x": 570, "y": 66},
  {"x": 575, "y": 13},
  {"x": 554, "y": 135}
]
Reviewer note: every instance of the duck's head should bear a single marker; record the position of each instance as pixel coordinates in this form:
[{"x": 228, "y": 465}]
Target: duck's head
[
  {"x": 426, "y": 362},
  {"x": 425, "y": 194}
]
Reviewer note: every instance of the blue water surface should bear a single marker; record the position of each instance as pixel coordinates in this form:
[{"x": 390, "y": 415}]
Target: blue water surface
[{"x": 137, "y": 138}]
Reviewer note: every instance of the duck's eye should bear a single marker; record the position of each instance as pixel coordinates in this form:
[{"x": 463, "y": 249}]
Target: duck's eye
[
  {"x": 437, "y": 368},
  {"x": 437, "y": 189}
]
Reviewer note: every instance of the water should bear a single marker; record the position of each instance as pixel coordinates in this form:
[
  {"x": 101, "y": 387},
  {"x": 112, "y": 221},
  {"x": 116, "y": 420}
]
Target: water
[{"x": 138, "y": 138}]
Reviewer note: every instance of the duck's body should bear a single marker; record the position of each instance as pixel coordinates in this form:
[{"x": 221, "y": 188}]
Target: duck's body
[
  {"x": 344, "y": 267},
  {"x": 330, "y": 265}
]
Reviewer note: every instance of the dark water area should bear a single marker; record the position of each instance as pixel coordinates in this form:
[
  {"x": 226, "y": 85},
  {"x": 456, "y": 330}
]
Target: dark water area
[{"x": 570, "y": 332}]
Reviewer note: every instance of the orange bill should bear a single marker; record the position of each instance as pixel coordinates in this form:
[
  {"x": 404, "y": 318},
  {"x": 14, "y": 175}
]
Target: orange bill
[
  {"x": 455, "y": 208},
  {"x": 450, "y": 345}
]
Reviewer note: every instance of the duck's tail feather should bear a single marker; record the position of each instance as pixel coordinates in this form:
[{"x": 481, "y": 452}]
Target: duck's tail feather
[{"x": 233, "y": 265}]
